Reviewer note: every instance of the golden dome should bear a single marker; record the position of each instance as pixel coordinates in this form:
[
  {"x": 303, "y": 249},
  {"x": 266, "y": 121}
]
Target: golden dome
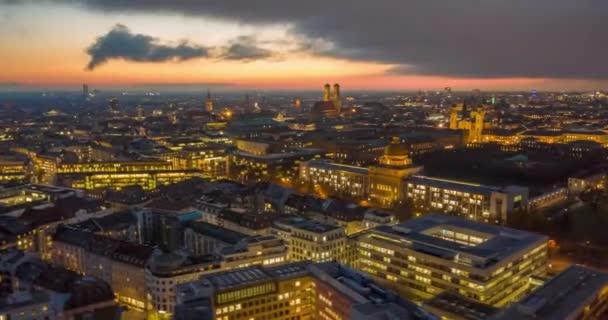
[{"x": 396, "y": 149}]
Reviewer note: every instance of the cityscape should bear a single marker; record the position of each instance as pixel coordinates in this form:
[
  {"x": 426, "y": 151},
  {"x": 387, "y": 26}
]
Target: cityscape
[{"x": 303, "y": 160}]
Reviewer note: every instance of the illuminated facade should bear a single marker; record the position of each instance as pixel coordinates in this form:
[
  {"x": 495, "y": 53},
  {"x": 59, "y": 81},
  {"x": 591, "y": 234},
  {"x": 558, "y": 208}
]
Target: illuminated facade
[
  {"x": 168, "y": 270},
  {"x": 545, "y": 137},
  {"x": 424, "y": 257},
  {"x": 13, "y": 171},
  {"x": 209, "y": 102},
  {"x": 283, "y": 167},
  {"x": 120, "y": 264},
  {"x": 473, "y": 201},
  {"x": 309, "y": 240},
  {"x": 299, "y": 290},
  {"x": 474, "y": 125},
  {"x": 383, "y": 183},
  {"x": 116, "y": 175},
  {"x": 577, "y": 293},
  {"x": 330, "y": 106}
]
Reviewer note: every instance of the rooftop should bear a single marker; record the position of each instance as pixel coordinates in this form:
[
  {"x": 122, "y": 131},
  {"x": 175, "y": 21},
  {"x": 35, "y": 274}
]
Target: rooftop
[
  {"x": 463, "y": 241},
  {"x": 217, "y": 232},
  {"x": 306, "y": 225},
  {"x": 327, "y": 164},
  {"x": 565, "y": 294},
  {"x": 251, "y": 275},
  {"x": 453, "y": 184}
]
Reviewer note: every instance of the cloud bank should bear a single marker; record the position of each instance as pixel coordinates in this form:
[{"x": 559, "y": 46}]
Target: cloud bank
[
  {"x": 457, "y": 38},
  {"x": 121, "y": 43}
]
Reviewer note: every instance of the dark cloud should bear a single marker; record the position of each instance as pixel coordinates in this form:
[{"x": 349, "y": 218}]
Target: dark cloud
[
  {"x": 245, "y": 48},
  {"x": 120, "y": 43},
  {"x": 462, "y": 38}
]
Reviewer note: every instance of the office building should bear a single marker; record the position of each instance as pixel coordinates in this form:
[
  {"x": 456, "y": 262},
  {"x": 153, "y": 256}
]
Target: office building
[
  {"x": 424, "y": 257},
  {"x": 299, "y": 290},
  {"x": 577, "y": 293},
  {"x": 310, "y": 240},
  {"x": 470, "y": 200}
]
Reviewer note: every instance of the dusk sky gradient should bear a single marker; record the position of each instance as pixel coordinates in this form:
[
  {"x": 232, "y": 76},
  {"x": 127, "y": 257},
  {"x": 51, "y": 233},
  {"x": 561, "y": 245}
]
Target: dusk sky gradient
[{"x": 277, "y": 44}]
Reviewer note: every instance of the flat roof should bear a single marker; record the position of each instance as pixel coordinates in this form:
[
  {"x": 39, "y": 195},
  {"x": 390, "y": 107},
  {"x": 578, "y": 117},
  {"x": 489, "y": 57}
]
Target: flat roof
[
  {"x": 498, "y": 242},
  {"x": 457, "y": 305},
  {"x": 249, "y": 276},
  {"x": 307, "y": 225},
  {"x": 453, "y": 185},
  {"x": 325, "y": 164},
  {"x": 567, "y": 293}
]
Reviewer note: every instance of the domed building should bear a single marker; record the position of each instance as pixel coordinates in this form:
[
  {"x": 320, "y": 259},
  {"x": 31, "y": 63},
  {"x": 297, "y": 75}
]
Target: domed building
[
  {"x": 395, "y": 154},
  {"x": 382, "y": 184},
  {"x": 387, "y": 184}
]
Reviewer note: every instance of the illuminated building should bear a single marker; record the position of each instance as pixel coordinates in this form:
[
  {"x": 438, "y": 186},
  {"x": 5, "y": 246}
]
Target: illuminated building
[
  {"x": 121, "y": 264},
  {"x": 113, "y": 106},
  {"x": 386, "y": 184},
  {"x": 592, "y": 178},
  {"x": 333, "y": 178},
  {"x": 248, "y": 168},
  {"x": 310, "y": 240},
  {"x": 206, "y": 238},
  {"x": 13, "y": 171},
  {"x": 533, "y": 138},
  {"x": 474, "y": 126},
  {"x": 141, "y": 114},
  {"x": 256, "y": 250},
  {"x": 330, "y": 106},
  {"x": 165, "y": 271},
  {"x": 45, "y": 169},
  {"x": 210, "y": 161},
  {"x": 383, "y": 183},
  {"x": 240, "y": 220},
  {"x": 209, "y": 102},
  {"x": 424, "y": 257},
  {"x": 473, "y": 201},
  {"x": 577, "y": 293},
  {"x": 116, "y": 175},
  {"x": 297, "y": 103},
  {"x": 299, "y": 290},
  {"x": 91, "y": 153}
]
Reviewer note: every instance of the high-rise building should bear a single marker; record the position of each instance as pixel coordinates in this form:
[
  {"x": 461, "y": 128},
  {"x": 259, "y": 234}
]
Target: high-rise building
[
  {"x": 299, "y": 290},
  {"x": 209, "y": 102},
  {"x": 85, "y": 90},
  {"x": 113, "y": 105},
  {"x": 424, "y": 257}
]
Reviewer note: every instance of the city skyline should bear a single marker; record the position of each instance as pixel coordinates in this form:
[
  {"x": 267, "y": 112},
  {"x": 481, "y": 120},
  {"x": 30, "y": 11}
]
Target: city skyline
[{"x": 391, "y": 46}]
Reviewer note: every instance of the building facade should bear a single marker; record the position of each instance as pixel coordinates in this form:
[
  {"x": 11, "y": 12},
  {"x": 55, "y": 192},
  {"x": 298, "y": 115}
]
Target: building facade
[{"x": 424, "y": 257}]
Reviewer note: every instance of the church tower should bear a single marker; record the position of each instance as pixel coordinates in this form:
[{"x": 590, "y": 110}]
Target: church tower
[{"x": 336, "y": 98}]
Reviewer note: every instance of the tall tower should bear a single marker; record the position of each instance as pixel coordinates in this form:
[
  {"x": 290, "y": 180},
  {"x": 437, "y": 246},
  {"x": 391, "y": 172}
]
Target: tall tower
[
  {"x": 326, "y": 90},
  {"x": 85, "y": 90},
  {"x": 336, "y": 98},
  {"x": 140, "y": 112},
  {"x": 209, "y": 102}
]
